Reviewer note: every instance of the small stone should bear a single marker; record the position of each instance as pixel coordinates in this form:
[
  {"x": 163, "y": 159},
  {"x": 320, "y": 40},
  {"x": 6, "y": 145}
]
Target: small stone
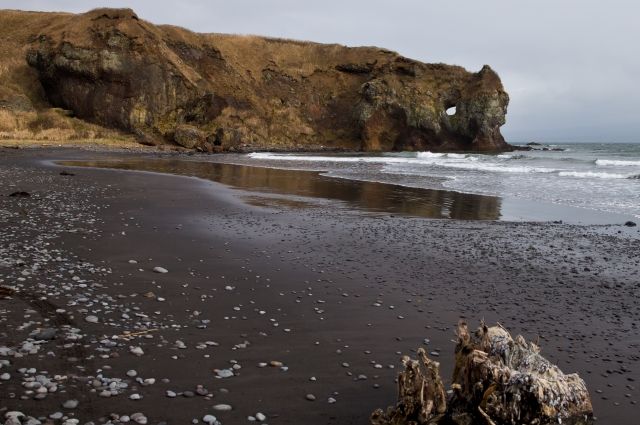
[
  {"x": 261, "y": 417},
  {"x": 209, "y": 419},
  {"x": 310, "y": 397},
  {"x": 70, "y": 404},
  {"x": 5, "y": 377},
  {"x": 160, "y": 270},
  {"x": 171, "y": 394},
  {"x": 135, "y": 396},
  {"x": 331, "y": 400},
  {"x": 224, "y": 373},
  {"x": 14, "y": 415},
  {"x": 91, "y": 319},
  {"x": 132, "y": 373},
  {"x": 44, "y": 334},
  {"x": 139, "y": 418},
  {"x": 137, "y": 351},
  {"x": 222, "y": 407}
]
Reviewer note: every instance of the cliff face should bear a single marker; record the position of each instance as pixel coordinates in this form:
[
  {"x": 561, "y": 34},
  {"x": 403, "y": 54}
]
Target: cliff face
[{"x": 224, "y": 92}]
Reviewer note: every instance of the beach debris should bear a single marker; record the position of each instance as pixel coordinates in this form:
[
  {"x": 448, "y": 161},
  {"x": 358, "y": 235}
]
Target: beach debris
[{"x": 498, "y": 380}]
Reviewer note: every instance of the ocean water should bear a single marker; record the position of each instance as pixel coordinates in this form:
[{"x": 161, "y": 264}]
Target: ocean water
[{"x": 598, "y": 177}]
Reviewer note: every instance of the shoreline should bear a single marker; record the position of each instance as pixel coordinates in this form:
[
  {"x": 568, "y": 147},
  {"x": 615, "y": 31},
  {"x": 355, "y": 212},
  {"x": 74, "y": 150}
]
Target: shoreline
[
  {"x": 317, "y": 271},
  {"x": 515, "y": 208},
  {"x": 510, "y": 209}
]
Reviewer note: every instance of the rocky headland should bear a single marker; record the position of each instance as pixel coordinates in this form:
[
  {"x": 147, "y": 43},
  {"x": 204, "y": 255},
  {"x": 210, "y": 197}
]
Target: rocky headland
[{"x": 111, "y": 70}]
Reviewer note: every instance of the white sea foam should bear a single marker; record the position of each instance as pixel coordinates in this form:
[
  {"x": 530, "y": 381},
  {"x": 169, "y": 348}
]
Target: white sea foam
[
  {"x": 480, "y": 163},
  {"x": 429, "y": 154},
  {"x": 316, "y": 158},
  {"x": 616, "y": 163},
  {"x": 491, "y": 167},
  {"x": 456, "y": 161},
  {"x": 459, "y": 155},
  {"x": 593, "y": 175}
]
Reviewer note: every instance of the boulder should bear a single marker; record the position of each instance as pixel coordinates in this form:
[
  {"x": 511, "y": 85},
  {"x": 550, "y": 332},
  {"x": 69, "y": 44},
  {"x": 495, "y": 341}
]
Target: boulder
[{"x": 189, "y": 136}]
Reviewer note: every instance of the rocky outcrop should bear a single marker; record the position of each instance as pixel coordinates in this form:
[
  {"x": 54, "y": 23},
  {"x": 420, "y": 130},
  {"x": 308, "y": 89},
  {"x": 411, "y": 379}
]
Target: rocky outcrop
[{"x": 223, "y": 92}]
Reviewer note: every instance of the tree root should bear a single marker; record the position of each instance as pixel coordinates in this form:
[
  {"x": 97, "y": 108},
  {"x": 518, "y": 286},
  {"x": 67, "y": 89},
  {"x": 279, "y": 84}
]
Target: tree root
[{"x": 497, "y": 380}]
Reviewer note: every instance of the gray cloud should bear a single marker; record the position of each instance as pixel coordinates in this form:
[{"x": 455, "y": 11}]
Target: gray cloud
[{"x": 571, "y": 66}]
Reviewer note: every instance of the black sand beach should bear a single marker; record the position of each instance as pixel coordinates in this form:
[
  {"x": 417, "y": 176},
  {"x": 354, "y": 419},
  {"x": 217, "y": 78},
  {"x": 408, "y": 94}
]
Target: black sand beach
[{"x": 332, "y": 296}]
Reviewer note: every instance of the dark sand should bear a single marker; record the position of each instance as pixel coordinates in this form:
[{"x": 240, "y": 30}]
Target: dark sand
[{"x": 329, "y": 291}]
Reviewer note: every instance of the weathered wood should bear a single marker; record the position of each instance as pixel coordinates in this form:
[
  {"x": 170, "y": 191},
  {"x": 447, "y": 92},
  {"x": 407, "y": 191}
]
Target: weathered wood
[{"x": 497, "y": 380}]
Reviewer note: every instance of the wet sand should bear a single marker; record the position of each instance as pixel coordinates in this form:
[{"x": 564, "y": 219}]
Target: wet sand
[{"x": 334, "y": 293}]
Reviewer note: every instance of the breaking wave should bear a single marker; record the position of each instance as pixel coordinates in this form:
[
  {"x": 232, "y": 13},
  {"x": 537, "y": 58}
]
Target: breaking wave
[
  {"x": 472, "y": 162},
  {"x": 617, "y": 163},
  {"x": 602, "y": 177}
]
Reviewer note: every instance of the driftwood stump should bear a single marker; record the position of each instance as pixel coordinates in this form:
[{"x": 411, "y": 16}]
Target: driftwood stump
[{"x": 497, "y": 380}]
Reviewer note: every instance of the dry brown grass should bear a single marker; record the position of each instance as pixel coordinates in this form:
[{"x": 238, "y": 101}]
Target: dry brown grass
[
  {"x": 52, "y": 124},
  {"x": 97, "y": 144},
  {"x": 8, "y": 121}
]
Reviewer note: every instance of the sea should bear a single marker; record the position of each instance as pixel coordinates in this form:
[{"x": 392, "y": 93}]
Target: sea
[{"x": 588, "y": 177}]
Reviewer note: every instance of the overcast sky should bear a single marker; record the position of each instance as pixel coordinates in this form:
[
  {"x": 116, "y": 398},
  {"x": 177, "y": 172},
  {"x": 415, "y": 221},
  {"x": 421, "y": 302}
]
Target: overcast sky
[{"x": 571, "y": 67}]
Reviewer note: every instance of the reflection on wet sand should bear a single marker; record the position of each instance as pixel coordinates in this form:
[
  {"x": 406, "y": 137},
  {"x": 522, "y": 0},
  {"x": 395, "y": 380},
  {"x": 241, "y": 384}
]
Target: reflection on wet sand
[{"x": 371, "y": 196}]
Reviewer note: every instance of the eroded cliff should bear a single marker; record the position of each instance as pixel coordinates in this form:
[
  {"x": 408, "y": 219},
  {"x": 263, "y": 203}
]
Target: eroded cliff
[{"x": 228, "y": 92}]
